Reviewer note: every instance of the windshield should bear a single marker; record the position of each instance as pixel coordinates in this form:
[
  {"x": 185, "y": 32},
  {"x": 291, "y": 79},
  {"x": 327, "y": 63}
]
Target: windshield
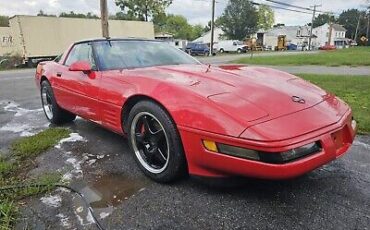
[{"x": 135, "y": 54}]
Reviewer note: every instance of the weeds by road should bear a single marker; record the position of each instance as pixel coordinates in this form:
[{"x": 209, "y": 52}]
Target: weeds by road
[
  {"x": 14, "y": 185},
  {"x": 352, "y": 89},
  {"x": 356, "y": 56}
]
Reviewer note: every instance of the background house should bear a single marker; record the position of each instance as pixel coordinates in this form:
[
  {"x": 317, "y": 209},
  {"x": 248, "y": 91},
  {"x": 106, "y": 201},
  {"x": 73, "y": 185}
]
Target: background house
[
  {"x": 167, "y": 37},
  {"x": 206, "y": 37},
  {"x": 338, "y": 35},
  {"x": 296, "y": 35}
]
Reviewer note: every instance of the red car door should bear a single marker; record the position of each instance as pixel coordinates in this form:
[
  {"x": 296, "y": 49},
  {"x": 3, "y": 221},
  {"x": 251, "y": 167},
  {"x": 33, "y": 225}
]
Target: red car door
[{"x": 78, "y": 91}]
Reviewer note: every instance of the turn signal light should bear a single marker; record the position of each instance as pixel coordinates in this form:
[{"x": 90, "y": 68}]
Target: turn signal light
[{"x": 210, "y": 145}]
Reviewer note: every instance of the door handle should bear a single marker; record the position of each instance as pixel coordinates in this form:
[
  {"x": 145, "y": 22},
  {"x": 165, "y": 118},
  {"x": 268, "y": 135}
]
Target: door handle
[{"x": 59, "y": 74}]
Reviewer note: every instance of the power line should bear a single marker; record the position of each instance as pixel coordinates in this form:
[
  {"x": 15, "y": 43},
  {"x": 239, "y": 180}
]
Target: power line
[
  {"x": 299, "y": 7},
  {"x": 287, "y": 4},
  {"x": 311, "y": 27},
  {"x": 278, "y": 7}
]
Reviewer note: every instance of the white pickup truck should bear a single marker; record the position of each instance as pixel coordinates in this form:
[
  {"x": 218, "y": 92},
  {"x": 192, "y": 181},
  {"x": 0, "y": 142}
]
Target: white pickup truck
[{"x": 231, "y": 46}]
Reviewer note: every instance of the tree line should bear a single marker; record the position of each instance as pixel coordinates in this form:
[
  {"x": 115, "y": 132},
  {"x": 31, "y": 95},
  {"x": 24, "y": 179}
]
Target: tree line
[
  {"x": 349, "y": 19},
  {"x": 239, "y": 19}
]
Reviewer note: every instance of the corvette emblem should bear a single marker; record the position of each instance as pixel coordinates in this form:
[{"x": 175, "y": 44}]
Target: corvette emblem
[{"x": 298, "y": 99}]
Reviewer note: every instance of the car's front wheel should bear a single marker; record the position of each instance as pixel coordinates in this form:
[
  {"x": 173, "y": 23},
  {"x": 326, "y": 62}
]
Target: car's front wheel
[
  {"x": 156, "y": 143},
  {"x": 53, "y": 112}
]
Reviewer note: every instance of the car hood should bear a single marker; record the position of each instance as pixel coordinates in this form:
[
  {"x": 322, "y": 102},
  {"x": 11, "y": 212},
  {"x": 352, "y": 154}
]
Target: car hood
[
  {"x": 248, "y": 94},
  {"x": 236, "y": 89}
]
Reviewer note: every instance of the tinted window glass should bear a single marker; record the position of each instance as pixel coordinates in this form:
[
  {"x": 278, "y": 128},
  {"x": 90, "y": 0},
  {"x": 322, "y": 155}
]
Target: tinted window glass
[
  {"x": 136, "y": 54},
  {"x": 57, "y": 59},
  {"x": 80, "y": 52}
]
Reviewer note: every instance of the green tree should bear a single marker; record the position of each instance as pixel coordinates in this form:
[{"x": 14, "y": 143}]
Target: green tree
[
  {"x": 321, "y": 19},
  {"x": 142, "y": 9},
  {"x": 266, "y": 17},
  {"x": 42, "y": 13},
  {"x": 72, "y": 14},
  {"x": 239, "y": 19},
  {"x": 349, "y": 19},
  {"x": 176, "y": 25},
  {"x": 159, "y": 21},
  {"x": 197, "y": 32},
  {"x": 208, "y": 26},
  {"x": 278, "y": 25},
  {"x": 4, "y": 21},
  {"x": 121, "y": 16}
]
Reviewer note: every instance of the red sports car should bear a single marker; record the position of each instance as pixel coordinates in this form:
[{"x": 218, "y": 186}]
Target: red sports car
[
  {"x": 327, "y": 47},
  {"x": 181, "y": 116}
]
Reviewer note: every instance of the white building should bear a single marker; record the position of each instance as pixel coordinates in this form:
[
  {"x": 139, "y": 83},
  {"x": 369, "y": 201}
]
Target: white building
[
  {"x": 206, "y": 37},
  {"x": 338, "y": 35},
  {"x": 167, "y": 37},
  {"x": 296, "y": 35}
]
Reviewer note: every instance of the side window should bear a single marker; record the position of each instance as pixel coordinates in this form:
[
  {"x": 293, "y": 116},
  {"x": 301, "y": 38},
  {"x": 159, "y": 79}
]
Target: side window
[
  {"x": 81, "y": 52},
  {"x": 57, "y": 59}
]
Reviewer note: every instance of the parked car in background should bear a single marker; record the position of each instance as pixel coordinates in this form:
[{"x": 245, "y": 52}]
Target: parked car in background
[
  {"x": 231, "y": 46},
  {"x": 197, "y": 49},
  {"x": 292, "y": 46},
  {"x": 327, "y": 47}
]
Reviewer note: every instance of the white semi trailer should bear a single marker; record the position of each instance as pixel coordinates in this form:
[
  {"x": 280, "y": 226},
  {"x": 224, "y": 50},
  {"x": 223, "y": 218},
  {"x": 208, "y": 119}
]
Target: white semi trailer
[{"x": 36, "y": 38}]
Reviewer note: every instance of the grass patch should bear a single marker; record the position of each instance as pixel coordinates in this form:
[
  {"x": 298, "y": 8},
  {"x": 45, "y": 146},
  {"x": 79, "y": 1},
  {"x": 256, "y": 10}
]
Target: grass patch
[
  {"x": 10, "y": 193},
  {"x": 6, "y": 167},
  {"x": 13, "y": 186},
  {"x": 352, "y": 89},
  {"x": 36, "y": 144},
  {"x": 355, "y": 56},
  {"x": 8, "y": 212}
]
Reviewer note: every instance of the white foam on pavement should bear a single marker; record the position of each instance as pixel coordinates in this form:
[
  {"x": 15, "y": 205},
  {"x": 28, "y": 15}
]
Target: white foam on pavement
[
  {"x": 73, "y": 137},
  {"x": 26, "y": 122},
  {"x": 64, "y": 220},
  {"x": 52, "y": 201}
]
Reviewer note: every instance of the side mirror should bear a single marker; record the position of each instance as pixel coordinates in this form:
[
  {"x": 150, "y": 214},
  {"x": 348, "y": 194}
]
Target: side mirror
[{"x": 83, "y": 66}]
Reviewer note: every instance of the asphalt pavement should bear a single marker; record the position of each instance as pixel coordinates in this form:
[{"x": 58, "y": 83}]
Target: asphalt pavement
[{"x": 99, "y": 164}]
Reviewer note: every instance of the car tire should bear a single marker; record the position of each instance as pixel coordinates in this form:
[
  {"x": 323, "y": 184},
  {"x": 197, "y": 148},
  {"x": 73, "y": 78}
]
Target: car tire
[
  {"x": 239, "y": 51},
  {"x": 52, "y": 111},
  {"x": 158, "y": 153},
  {"x": 222, "y": 50}
]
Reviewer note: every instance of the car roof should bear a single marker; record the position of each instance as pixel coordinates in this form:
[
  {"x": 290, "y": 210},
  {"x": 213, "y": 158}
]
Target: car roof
[{"x": 115, "y": 39}]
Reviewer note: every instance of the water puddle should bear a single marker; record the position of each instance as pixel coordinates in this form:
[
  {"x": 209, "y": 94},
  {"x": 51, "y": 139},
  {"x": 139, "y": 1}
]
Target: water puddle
[{"x": 104, "y": 194}]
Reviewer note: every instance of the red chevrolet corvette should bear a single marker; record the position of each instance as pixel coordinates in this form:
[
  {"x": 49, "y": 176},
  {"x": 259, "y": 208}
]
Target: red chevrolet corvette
[{"x": 181, "y": 116}]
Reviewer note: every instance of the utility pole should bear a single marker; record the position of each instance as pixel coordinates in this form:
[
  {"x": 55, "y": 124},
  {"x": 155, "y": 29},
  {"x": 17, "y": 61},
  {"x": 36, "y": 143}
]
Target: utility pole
[
  {"x": 313, "y": 18},
  {"x": 330, "y": 32},
  {"x": 368, "y": 25},
  {"x": 212, "y": 27},
  {"x": 358, "y": 24},
  {"x": 104, "y": 18}
]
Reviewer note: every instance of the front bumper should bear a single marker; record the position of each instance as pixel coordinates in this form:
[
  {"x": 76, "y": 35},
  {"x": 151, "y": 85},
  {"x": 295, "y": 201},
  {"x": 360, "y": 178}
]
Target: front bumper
[{"x": 335, "y": 141}]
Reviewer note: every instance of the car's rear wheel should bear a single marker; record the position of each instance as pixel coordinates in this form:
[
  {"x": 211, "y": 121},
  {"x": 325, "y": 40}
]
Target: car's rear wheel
[
  {"x": 53, "y": 112},
  {"x": 155, "y": 141},
  {"x": 222, "y": 50}
]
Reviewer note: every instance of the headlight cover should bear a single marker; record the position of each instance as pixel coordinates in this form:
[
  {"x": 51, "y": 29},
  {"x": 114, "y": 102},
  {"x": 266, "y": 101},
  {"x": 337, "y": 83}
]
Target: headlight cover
[{"x": 267, "y": 157}]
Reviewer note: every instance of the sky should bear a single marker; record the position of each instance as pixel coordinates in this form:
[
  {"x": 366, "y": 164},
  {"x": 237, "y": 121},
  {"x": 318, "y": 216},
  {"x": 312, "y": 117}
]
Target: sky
[{"x": 196, "y": 11}]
